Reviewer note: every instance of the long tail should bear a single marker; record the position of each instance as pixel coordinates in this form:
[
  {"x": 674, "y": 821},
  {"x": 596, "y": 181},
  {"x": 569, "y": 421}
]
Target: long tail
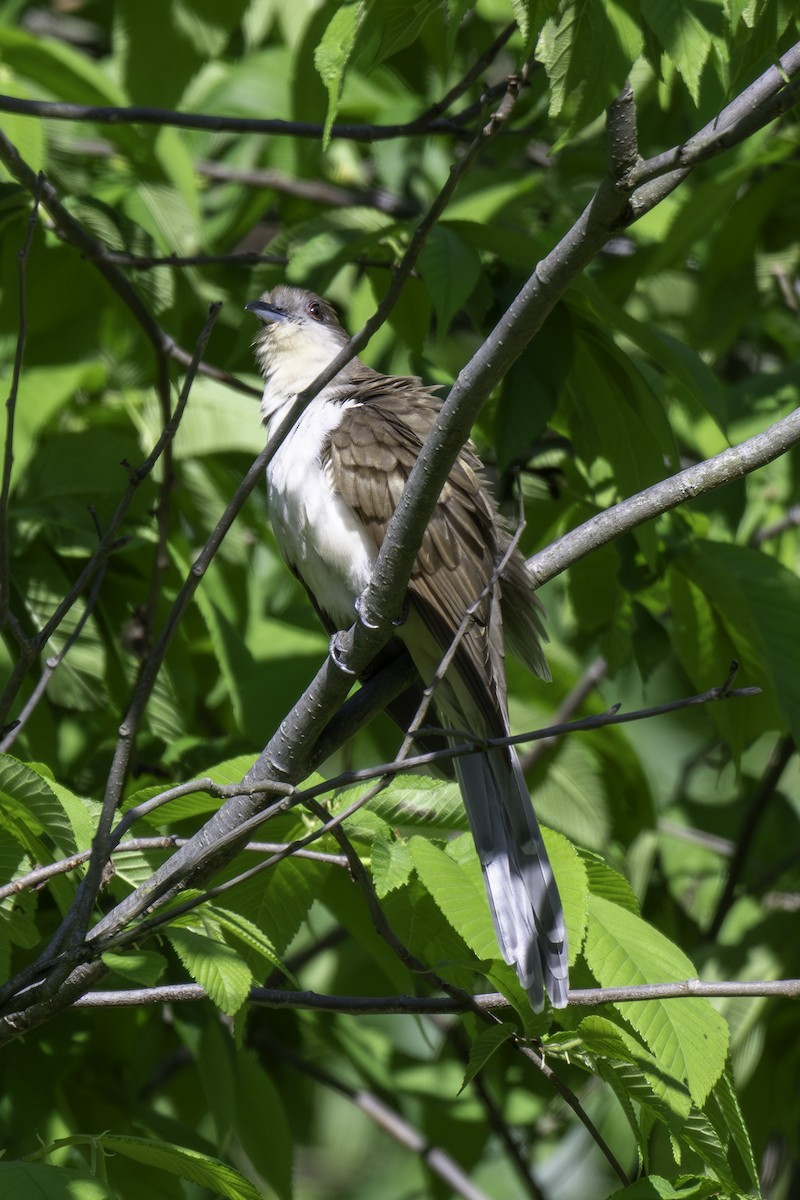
[{"x": 523, "y": 896}]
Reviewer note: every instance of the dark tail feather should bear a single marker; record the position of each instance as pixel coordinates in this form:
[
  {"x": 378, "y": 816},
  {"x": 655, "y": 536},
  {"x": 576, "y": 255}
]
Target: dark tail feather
[{"x": 523, "y": 896}]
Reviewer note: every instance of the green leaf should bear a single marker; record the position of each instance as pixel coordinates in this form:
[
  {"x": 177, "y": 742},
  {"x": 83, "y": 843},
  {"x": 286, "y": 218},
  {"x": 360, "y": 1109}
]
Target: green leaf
[
  {"x": 655, "y": 1187},
  {"x": 27, "y": 136},
  {"x": 391, "y": 25},
  {"x": 30, "y": 809},
  {"x": 420, "y": 801},
  {"x": 640, "y": 1075},
  {"x": 703, "y": 1138},
  {"x": 614, "y": 417},
  {"x": 726, "y": 1098},
  {"x": 278, "y": 901},
  {"x": 458, "y": 896},
  {"x": 59, "y": 69},
  {"x": 333, "y": 54},
  {"x": 755, "y": 600},
  {"x": 604, "y": 881},
  {"x": 572, "y": 795},
  {"x": 251, "y": 937},
  {"x": 686, "y": 29},
  {"x": 391, "y": 864},
  {"x": 260, "y": 1109},
  {"x": 215, "y": 966},
  {"x": 483, "y": 1047},
  {"x": 680, "y": 363},
  {"x": 687, "y": 1035},
  {"x": 25, "y": 1180},
  {"x": 187, "y": 1164},
  {"x": 457, "y": 889},
  {"x": 587, "y": 51},
  {"x": 142, "y": 966},
  {"x": 450, "y": 268}
]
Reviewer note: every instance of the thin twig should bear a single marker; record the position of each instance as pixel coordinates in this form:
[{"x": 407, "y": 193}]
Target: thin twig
[
  {"x": 381, "y": 1114},
  {"x": 790, "y": 521},
  {"x": 594, "y": 674},
  {"x": 317, "y": 190},
  {"x": 145, "y": 115},
  {"x": 781, "y": 757},
  {"x": 53, "y": 663},
  {"x": 11, "y": 404},
  {"x": 80, "y": 912},
  {"x": 35, "y": 879},
  {"x": 396, "y": 1005},
  {"x": 662, "y": 497}
]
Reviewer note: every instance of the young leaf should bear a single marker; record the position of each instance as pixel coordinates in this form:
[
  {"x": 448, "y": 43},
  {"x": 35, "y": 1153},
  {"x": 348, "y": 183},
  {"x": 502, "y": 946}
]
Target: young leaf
[
  {"x": 187, "y": 1164},
  {"x": 333, "y": 54},
  {"x": 482, "y": 1049}
]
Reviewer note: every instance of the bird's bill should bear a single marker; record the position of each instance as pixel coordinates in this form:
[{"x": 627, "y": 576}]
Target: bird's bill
[{"x": 266, "y": 312}]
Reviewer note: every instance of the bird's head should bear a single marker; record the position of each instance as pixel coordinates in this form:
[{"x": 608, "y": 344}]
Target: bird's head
[{"x": 299, "y": 337}]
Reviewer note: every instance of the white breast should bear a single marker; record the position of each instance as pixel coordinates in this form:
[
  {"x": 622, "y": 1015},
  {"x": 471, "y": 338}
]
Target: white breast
[{"x": 318, "y": 535}]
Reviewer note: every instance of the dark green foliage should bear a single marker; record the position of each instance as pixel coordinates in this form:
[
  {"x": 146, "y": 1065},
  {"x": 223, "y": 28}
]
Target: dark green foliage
[{"x": 680, "y": 339}]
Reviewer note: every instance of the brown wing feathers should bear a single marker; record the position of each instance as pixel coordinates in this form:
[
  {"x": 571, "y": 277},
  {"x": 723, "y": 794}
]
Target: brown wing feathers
[{"x": 370, "y": 462}]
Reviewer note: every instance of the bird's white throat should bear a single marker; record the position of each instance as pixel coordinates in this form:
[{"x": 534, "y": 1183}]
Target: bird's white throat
[{"x": 291, "y": 357}]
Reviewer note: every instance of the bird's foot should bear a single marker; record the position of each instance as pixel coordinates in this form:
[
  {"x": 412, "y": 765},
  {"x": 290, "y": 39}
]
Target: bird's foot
[
  {"x": 360, "y": 608},
  {"x": 401, "y": 620},
  {"x": 337, "y": 654}
]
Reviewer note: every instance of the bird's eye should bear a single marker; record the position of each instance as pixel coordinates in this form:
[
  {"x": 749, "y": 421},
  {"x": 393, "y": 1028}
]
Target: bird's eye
[{"x": 315, "y": 310}]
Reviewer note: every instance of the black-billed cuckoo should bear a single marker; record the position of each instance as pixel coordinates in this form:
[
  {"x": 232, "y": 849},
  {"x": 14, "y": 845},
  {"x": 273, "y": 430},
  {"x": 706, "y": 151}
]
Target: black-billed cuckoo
[{"x": 333, "y": 486}]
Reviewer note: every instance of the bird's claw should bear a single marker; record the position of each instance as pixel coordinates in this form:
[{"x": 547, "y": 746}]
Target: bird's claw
[
  {"x": 360, "y": 610},
  {"x": 401, "y": 620},
  {"x": 336, "y": 653}
]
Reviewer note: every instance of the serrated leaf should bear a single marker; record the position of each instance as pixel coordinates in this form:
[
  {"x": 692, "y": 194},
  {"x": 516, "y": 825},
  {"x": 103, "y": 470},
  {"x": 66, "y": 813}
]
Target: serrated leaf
[
  {"x": 249, "y": 935},
  {"x": 687, "y": 1035},
  {"x": 608, "y": 883},
  {"x": 725, "y": 1095},
  {"x": 31, "y": 810},
  {"x": 614, "y": 415},
  {"x": 700, "y": 1135},
  {"x": 218, "y": 969},
  {"x": 655, "y": 1187},
  {"x": 482, "y": 1049},
  {"x": 686, "y": 30},
  {"x": 333, "y": 54},
  {"x": 639, "y": 1074},
  {"x": 279, "y": 900},
  {"x": 460, "y": 900},
  {"x": 420, "y": 801},
  {"x": 391, "y": 864},
  {"x": 201, "y": 1169},
  {"x": 390, "y": 26},
  {"x": 587, "y": 51}
]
